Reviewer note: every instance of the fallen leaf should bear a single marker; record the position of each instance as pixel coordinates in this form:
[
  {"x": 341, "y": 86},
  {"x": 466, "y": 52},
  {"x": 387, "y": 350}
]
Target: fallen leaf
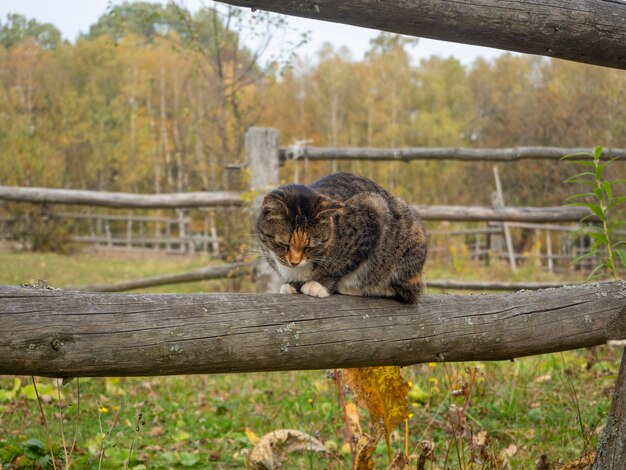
[
  {"x": 511, "y": 450},
  {"x": 157, "y": 431},
  {"x": 542, "y": 378},
  {"x": 252, "y": 437},
  {"x": 272, "y": 448},
  {"x": 480, "y": 439},
  {"x": 583, "y": 463}
]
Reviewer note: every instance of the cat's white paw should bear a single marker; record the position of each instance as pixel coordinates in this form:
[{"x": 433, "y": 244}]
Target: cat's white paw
[
  {"x": 287, "y": 289},
  {"x": 314, "y": 289}
]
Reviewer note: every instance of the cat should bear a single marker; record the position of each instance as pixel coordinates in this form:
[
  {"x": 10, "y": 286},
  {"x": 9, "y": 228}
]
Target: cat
[{"x": 343, "y": 233}]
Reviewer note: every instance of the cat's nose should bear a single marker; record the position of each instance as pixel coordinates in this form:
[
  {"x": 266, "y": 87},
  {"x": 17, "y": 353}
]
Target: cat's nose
[{"x": 295, "y": 262}]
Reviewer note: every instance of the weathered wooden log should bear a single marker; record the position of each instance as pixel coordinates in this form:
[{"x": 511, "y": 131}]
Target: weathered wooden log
[
  {"x": 511, "y": 154},
  {"x": 203, "y": 274},
  {"x": 118, "y": 200},
  {"x": 591, "y": 31},
  {"x": 489, "y": 285},
  {"x": 57, "y": 333},
  {"x": 513, "y": 214},
  {"x": 179, "y": 200}
]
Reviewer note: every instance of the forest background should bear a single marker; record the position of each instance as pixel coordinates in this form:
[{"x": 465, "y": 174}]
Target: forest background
[{"x": 157, "y": 99}]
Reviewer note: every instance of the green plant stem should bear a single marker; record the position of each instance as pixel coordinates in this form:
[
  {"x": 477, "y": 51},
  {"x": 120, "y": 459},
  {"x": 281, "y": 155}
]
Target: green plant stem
[
  {"x": 62, "y": 423},
  {"x": 605, "y": 229},
  {"x": 45, "y": 423}
]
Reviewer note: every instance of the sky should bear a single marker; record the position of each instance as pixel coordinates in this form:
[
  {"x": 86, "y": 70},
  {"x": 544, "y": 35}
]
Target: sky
[{"x": 72, "y": 17}]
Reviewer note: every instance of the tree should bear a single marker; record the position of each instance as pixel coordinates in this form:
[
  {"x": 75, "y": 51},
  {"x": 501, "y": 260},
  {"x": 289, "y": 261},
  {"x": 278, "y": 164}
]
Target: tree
[{"x": 17, "y": 28}]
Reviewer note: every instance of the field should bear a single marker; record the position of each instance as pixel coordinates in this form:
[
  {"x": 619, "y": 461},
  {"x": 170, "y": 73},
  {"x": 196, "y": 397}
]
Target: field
[{"x": 479, "y": 415}]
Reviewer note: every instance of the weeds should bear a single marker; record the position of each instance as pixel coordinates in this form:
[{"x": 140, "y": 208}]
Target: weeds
[
  {"x": 105, "y": 436},
  {"x": 45, "y": 422},
  {"x": 602, "y": 202}
]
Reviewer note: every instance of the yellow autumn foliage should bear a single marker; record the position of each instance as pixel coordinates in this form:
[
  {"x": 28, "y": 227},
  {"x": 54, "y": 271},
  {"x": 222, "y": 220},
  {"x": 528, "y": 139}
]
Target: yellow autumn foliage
[{"x": 383, "y": 392}]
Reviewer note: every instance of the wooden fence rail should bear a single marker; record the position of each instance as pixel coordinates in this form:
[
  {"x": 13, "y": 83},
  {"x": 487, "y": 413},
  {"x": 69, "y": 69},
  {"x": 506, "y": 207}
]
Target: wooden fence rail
[
  {"x": 180, "y": 200},
  {"x": 119, "y": 200},
  {"x": 55, "y": 333},
  {"x": 581, "y": 30},
  {"x": 240, "y": 269},
  {"x": 501, "y": 214},
  {"x": 439, "y": 153},
  {"x": 203, "y": 274}
]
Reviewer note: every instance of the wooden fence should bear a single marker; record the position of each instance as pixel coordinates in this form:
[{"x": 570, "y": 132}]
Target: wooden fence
[
  {"x": 493, "y": 155},
  {"x": 264, "y": 156}
]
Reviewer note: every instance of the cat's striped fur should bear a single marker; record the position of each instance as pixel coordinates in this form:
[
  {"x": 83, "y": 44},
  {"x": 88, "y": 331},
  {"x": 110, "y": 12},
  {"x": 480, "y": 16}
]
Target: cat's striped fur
[{"x": 346, "y": 234}]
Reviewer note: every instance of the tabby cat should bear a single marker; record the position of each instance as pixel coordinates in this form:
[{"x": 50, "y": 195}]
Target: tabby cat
[{"x": 346, "y": 234}]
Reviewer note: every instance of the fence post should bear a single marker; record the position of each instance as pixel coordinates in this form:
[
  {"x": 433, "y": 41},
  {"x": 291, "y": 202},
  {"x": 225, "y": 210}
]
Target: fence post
[
  {"x": 129, "y": 232},
  {"x": 611, "y": 449},
  {"x": 505, "y": 226},
  {"x": 263, "y": 164}
]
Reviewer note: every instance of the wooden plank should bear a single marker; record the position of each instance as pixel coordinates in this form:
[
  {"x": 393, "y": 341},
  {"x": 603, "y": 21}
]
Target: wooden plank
[
  {"x": 489, "y": 285},
  {"x": 117, "y": 217},
  {"x": 119, "y": 240},
  {"x": 511, "y": 214},
  {"x": 468, "y": 231},
  {"x": 456, "y": 213},
  {"x": 510, "y": 154},
  {"x": 57, "y": 333},
  {"x": 590, "y": 31},
  {"x": 120, "y": 200}
]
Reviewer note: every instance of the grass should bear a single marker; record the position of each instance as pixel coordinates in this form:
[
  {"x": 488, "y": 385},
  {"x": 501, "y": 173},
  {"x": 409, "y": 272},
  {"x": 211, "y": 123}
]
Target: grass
[{"x": 516, "y": 411}]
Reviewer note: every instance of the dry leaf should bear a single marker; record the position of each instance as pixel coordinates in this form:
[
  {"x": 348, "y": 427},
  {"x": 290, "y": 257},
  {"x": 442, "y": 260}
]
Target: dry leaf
[
  {"x": 272, "y": 448},
  {"x": 252, "y": 437},
  {"x": 352, "y": 412},
  {"x": 426, "y": 452},
  {"x": 511, "y": 450},
  {"x": 365, "y": 445},
  {"x": 480, "y": 439},
  {"x": 383, "y": 391},
  {"x": 542, "y": 378},
  {"x": 400, "y": 461},
  {"x": 365, "y": 449},
  {"x": 157, "y": 431},
  {"x": 583, "y": 463}
]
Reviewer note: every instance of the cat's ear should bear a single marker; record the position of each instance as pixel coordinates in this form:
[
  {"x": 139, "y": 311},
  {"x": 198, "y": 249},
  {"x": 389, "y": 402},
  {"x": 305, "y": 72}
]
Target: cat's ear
[
  {"x": 328, "y": 207},
  {"x": 273, "y": 203}
]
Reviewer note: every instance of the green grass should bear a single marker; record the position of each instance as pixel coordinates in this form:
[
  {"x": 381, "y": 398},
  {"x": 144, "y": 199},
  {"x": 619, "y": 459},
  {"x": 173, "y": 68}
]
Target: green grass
[
  {"x": 527, "y": 407},
  {"x": 82, "y": 269}
]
